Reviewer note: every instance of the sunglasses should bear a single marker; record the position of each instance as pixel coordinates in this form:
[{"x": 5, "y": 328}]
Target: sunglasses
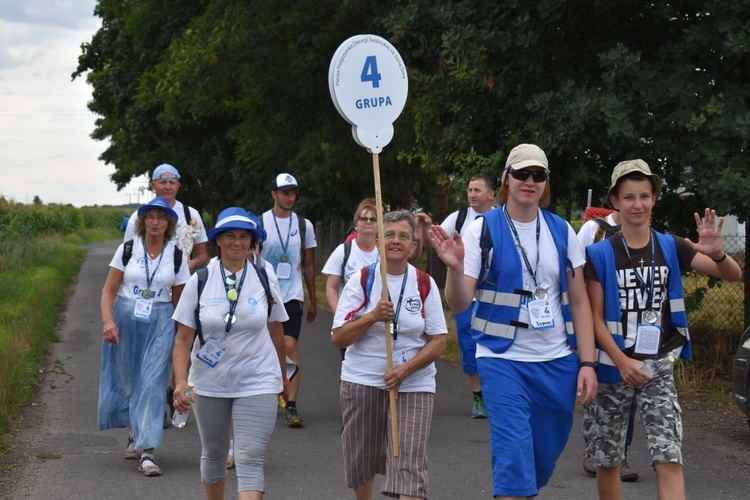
[
  {"x": 523, "y": 175},
  {"x": 231, "y": 282},
  {"x": 368, "y": 220}
]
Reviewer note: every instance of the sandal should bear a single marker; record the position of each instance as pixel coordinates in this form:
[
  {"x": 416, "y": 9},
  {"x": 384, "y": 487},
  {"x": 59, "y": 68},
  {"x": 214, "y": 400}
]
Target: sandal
[
  {"x": 131, "y": 453},
  {"x": 149, "y": 467}
]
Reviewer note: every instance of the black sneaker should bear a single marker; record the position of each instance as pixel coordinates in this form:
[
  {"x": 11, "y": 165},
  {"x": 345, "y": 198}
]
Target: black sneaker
[
  {"x": 627, "y": 473},
  {"x": 292, "y": 418}
]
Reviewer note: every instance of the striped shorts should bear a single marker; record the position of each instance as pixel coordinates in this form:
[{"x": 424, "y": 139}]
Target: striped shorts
[{"x": 366, "y": 439}]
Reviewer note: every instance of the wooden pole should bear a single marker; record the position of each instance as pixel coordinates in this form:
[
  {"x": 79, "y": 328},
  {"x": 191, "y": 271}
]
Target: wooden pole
[{"x": 384, "y": 296}]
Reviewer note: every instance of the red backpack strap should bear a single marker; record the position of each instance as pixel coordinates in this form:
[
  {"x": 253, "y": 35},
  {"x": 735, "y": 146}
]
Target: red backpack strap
[
  {"x": 424, "y": 286},
  {"x": 366, "y": 282}
]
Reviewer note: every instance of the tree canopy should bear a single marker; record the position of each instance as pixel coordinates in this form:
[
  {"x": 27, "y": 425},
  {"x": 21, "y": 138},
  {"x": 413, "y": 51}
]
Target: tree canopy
[{"x": 233, "y": 93}]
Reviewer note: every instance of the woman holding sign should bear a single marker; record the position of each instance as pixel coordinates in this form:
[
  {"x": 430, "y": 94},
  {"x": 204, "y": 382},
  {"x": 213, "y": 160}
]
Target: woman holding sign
[{"x": 418, "y": 332}]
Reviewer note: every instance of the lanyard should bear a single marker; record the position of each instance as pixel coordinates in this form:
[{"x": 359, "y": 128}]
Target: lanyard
[
  {"x": 284, "y": 246},
  {"x": 232, "y": 303},
  {"x": 394, "y": 321},
  {"x": 523, "y": 250},
  {"x": 150, "y": 280},
  {"x": 641, "y": 281}
]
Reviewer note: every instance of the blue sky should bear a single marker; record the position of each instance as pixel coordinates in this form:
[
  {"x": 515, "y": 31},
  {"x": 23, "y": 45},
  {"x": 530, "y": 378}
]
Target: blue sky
[{"x": 45, "y": 126}]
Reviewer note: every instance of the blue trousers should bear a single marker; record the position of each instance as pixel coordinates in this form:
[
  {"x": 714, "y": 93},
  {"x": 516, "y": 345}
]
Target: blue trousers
[{"x": 530, "y": 410}]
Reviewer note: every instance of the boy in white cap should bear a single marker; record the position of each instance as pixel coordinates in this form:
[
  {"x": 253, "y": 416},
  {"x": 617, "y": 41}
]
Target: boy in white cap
[
  {"x": 633, "y": 282},
  {"x": 289, "y": 248},
  {"x": 524, "y": 266}
]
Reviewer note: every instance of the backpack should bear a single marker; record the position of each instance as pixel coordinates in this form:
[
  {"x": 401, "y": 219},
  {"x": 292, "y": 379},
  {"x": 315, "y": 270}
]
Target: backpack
[
  {"x": 461, "y": 219},
  {"x": 347, "y": 252},
  {"x": 202, "y": 273},
  {"x": 605, "y": 229},
  {"x": 127, "y": 253},
  {"x": 367, "y": 278}
]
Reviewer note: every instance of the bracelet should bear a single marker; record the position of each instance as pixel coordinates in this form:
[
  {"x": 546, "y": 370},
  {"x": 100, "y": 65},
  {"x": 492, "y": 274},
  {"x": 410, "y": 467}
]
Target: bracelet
[
  {"x": 590, "y": 364},
  {"x": 722, "y": 259}
]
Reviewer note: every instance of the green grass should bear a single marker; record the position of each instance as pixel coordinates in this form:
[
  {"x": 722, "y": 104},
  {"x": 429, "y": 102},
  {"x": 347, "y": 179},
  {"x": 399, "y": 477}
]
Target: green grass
[{"x": 35, "y": 274}]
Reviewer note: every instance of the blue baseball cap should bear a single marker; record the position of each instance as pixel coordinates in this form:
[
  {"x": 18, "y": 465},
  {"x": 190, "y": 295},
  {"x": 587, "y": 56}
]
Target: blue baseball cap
[
  {"x": 165, "y": 171},
  {"x": 237, "y": 218},
  {"x": 158, "y": 204}
]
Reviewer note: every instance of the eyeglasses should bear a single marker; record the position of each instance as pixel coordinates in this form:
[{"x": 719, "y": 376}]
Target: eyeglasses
[
  {"x": 523, "y": 175},
  {"x": 231, "y": 282},
  {"x": 392, "y": 235},
  {"x": 368, "y": 220},
  {"x": 157, "y": 218}
]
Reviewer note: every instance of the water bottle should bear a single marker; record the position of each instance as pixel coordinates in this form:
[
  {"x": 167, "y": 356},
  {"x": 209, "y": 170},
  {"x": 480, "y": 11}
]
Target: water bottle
[
  {"x": 647, "y": 368},
  {"x": 179, "y": 419}
]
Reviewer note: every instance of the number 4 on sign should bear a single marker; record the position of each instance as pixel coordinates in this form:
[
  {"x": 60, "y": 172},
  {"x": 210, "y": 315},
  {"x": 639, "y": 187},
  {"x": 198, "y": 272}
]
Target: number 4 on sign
[{"x": 370, "y": 72}]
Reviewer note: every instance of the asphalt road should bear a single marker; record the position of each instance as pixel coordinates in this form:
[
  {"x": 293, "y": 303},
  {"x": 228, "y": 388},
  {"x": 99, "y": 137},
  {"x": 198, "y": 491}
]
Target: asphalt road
[{"x": 63, "y": 456}]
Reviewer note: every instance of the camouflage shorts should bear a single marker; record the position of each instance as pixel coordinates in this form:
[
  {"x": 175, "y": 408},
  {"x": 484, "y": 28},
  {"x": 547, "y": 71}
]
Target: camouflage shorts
[{"x": 605, "y": 419}]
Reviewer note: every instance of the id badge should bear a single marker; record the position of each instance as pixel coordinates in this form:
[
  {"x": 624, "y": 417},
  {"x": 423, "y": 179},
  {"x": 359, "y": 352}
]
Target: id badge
[
  {"x": 212, "y": 352},
  {"x": 540, "y": 315},
  {"x": 647, "y": 339},
  {"x": 142, "y": 311},
  {"x": 399, "y": 358},
  {"x": 283, "y": 270}
]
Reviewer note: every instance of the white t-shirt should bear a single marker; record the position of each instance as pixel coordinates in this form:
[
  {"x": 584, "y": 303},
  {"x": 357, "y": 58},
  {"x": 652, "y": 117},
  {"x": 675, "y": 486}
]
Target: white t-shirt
[
  {"x": 531, "y": 345},
  {"x": 588, "y": 231},
  {"x": 250, "y": 365},
  {"x": 358, "y": 259},
  {"x": 181, "y": 222},
  {"x": 285, "y": 241},
  {"x": 366, "y": 362},
  {"x": 134, "y": 279},
  {"x": 449, "y": 224}
]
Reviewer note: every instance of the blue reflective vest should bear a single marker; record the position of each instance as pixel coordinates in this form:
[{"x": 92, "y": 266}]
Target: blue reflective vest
[
  {"x": 499, "y": 294},
  {"x": 602, "y": 256}
]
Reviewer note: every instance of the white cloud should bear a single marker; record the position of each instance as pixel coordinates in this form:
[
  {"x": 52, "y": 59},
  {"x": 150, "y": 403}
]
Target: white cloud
[{"x": 45, "y": 125}]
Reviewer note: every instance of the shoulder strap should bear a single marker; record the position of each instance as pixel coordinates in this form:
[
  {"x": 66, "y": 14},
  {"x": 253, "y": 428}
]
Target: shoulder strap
[
  {"x": 263, "y": 277},
  {"x": 177, "y": 260},
  {"x": 424, "y": 286},
  {"x": 485, "y": 245},
  {"x": 461, "y": 219},
  {"x": 202, "y": 277},
  {"x": 366, "y": 279},
  {"x": 347, "y": 252},
  {"x": 127, "y": 252},
  {"x": 186, "y": 209},
  {"x": 302, "y": 223},
  {"x": 605, "y": 229}
]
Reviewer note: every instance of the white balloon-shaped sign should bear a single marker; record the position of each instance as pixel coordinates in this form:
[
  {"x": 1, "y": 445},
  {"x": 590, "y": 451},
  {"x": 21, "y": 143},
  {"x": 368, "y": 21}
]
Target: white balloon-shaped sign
[{"x": 368, "y": 84}]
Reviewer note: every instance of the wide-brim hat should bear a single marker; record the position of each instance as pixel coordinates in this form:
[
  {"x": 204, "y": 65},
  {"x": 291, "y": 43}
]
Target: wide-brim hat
[
  {"x": 237, "y": 218},
  {"x": 525, "y": 156},
  {"x": 158, "y": 203},
  {"x": 628, "y": 167}
]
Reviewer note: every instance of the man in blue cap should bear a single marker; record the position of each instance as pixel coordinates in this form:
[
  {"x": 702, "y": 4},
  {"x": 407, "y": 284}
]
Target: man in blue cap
[{"x": 191, "y": 235}]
